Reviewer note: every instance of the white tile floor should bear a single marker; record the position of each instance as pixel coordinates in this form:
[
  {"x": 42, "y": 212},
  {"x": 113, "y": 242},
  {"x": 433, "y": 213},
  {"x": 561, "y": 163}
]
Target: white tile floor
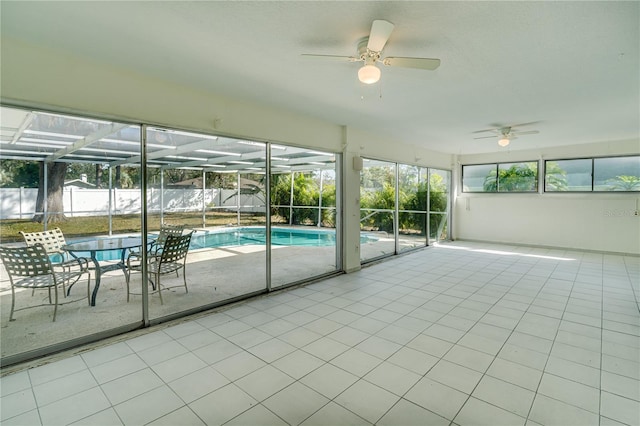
[{"x": 463, "y": 333}]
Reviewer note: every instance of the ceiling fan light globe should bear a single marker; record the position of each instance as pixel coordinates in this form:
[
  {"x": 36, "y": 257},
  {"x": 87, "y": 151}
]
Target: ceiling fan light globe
[
  {"x": 503, "y": 142},
  {"x": 369, "y": 74}
]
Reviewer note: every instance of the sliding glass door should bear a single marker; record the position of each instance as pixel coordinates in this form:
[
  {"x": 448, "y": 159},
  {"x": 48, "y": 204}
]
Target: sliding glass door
[
  {"x": 68, "y": 175},
  {"x": 402, "y": 207},
  {"x": 412, "y": 207},
  {"x": 304, "y": 226},
  {"x": 439, "y": 204},
  {"x": 213, "y": 188},
  {"x": 377, "y": 209}
]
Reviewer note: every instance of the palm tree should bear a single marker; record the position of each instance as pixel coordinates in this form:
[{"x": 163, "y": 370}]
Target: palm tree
[
  {"x": 519, "y": 177},
  {"x": 624, "y": 183}
]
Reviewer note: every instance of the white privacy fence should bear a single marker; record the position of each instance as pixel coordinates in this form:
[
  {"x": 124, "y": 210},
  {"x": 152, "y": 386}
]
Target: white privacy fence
[{"x": 20, "y": 203}]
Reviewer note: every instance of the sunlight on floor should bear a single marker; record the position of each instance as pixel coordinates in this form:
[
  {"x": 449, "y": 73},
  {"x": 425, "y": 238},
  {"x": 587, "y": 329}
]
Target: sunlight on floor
[{"x": 504, "y": 253}]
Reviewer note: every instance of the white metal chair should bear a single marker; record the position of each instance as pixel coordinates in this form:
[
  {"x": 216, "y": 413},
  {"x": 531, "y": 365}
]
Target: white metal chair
[
  {"x": 134, "y": 258},
  {"x": 52, "y": 240},
  {"x": 172, "y": 258},
  {"x": 165, "y": 230},
  {"x": 156, "y": 246},
  {"x": 31, "y": 267}
]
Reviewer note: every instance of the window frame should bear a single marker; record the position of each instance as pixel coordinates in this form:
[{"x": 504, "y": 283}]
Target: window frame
[{"x": 593, "y": 169}]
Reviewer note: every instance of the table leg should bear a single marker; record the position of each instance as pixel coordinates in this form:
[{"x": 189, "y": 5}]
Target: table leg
[
  {"x": 123, "y": 264},
  {"x": 96, "y": 287}
]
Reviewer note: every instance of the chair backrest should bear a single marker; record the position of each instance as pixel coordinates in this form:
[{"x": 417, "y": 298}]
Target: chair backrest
[
  {"x": 52, "y": 240},
  {"x": 175, "y": 248},
  {"x": 27, "y": 261},
  {"x": 166, "y": 230}
]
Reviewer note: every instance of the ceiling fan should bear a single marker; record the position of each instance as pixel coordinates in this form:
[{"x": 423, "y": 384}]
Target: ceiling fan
[
  {"x": 507, "y": 133},
  {"x": 369, "y": 51}
]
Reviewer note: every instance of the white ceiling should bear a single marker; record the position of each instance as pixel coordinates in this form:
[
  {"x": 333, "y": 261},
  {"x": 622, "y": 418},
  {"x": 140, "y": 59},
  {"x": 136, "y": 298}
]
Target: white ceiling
[{"x": 572, "y": 67}]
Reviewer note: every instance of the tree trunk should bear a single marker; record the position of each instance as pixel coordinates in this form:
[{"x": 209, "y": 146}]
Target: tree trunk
[
  {"x": 98, "y": 175},
  {"x": 56, "y": 173}
]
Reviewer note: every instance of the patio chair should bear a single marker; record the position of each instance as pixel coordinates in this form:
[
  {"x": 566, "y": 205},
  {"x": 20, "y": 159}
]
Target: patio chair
[
  {"x": 31, "y": 267},
  {"x": 165, "y": 230},
  {"x": 52, "y": 241},
  {"x": 157, "y": 245},
  {"x": 172, "y": 258}
]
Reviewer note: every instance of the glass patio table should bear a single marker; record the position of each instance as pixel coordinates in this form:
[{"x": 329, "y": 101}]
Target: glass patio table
[{"x": 93, "y": 247}]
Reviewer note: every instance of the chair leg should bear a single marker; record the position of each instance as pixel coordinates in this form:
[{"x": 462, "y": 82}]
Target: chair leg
[
  {"x": 184, "y": 277},
  {"x": 13, "y": 302},
  {"x": 159, "y": 288},
  {"x": 55, "y": 308}
]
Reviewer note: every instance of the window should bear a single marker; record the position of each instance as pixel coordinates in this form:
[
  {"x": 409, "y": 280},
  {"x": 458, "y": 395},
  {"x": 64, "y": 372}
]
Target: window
[
  {"x": 501, "y": 177},
  {"x": 474, "y": 177},
  {"x": 593, "y": 174},
  {"x": 567, "y": 175},
  {"x": 616, "y": 174}
]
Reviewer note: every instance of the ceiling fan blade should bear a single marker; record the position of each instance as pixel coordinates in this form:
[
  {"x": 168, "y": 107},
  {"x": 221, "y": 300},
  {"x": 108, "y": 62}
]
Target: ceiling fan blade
[
  {"x": 487, "y": 130},
  {"x": 524, "y": 124},
  {"x": 487, "y": 137},
  {"x": 528, "y": 132},
  {"x": 420, "y": 63},
  {"x": 380, "y": 32},
  {"x": 334, "y": 58}
]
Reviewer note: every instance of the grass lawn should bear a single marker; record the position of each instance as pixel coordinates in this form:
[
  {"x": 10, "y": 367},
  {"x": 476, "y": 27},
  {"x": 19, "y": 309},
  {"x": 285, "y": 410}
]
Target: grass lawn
[{"x": 121, "y": 224}]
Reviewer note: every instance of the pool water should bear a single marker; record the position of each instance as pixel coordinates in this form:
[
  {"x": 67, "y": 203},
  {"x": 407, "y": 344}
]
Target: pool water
[
  {"x": 279, "y": 237},
  {"x": 242, "y": 236}
]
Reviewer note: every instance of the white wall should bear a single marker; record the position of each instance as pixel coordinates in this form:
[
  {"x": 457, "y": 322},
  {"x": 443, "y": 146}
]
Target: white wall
[
  {"x": 366, "y": 144},
  {"x": 590, "y": 221},
  {"x": 34, "y": 77}
]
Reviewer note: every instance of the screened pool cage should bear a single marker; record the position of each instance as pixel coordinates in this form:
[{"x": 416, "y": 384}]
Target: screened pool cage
[{"x": 88, "y": 167}]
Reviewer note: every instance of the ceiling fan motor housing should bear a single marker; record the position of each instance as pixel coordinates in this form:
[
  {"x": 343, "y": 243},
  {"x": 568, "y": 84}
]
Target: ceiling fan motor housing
[{"x": 369, "y": 56}]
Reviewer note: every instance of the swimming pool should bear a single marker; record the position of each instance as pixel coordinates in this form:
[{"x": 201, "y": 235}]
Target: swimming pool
[
  {"x": 257, "y": 235},
  {"x": 242, "y": 236}
]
